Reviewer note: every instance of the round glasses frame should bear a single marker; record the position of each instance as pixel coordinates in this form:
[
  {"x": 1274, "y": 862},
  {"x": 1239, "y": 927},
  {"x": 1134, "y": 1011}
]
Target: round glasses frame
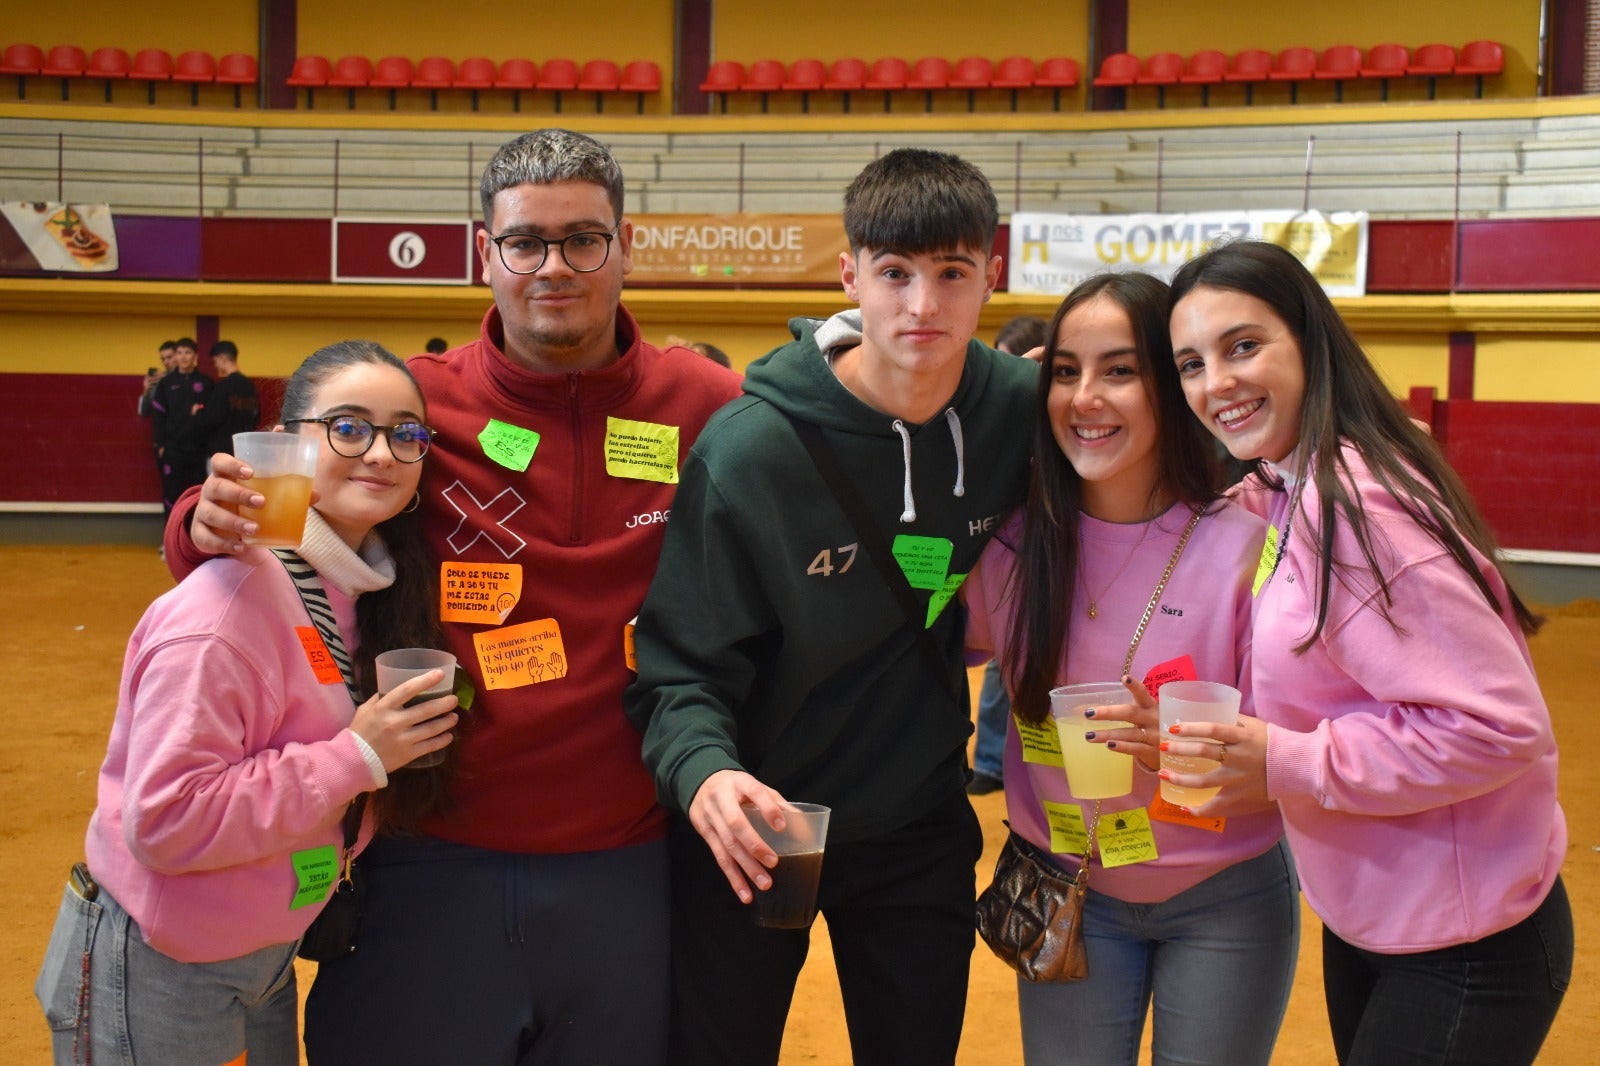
[
  {"x": 341, "y": 446},
  {"x": 566, "y": 257}
]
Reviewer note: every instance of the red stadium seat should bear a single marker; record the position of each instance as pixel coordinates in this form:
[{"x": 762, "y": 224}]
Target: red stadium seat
[
  {"x": 1014, "y": 73},
  {"x": 1339, "y": 64},
  {"x": 972, "y": 73},
  {"x": 197, "y": 69},
  {"x": 108, "y": 64},
  {"x": 805, "y": 77},
  {"x": 930, "y": 74},
  {"x": 19, "y": 61},
  {"x": 724, "y": 77},
  {"x": 434, "y": 73},
  {"x": 639, "y": 77},
  {"x": 1057, "y": 73},
  {"x": 351, "y": 73},
  {"x": 1161, "y": 70},
  {"x": 1432, "y": 61},
  {"x": 599, "y": 76},
  {"x": 475, "y": 74},
  {"x": 888, "y": 75},
  {"x": 1480, "y": 58},
  {"x": 1118, "y": 70},
  {"x": 237, "y": 69},
  {"x": 392, "y": 73},
  {"x": 765, "y": 76},
  {"x": 1294, "y": 65},
  {"x": 310, "y": 73},
  {"x": 846, "y": 76},
  {"x": 64, "y": 61},
  {"x": 518, "y": 75},
  {"x": 558, "y": 76},
  {"x": 1385, "y": 61},
  {"x": 151, "y": 65},
  {"x": 1205, "y": 69},
  {"x": 1249, "y": 67}
]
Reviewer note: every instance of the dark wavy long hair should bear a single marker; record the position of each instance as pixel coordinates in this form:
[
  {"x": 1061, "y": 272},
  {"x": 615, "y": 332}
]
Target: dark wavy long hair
[
  {"x": 1346, "y": 401},
  {"x": 1045, "y": 573},
  {"x": 404, "y": 615}
]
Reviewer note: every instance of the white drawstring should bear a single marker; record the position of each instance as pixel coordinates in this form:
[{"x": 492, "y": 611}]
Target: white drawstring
[
  {"x": 910, "y": 513},
  {"x": 961, "y": 451},
  {"x": 954, "y": 422}
]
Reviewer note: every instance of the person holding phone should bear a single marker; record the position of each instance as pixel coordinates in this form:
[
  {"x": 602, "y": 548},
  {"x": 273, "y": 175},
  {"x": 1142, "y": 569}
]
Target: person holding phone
[{"x": 237, "y": 748}]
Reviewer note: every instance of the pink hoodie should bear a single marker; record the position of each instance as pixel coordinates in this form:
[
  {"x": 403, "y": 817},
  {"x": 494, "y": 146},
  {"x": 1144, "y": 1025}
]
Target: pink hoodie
[
  {"x": 227, "y": 755},
  {"x": 1414, "y": 764},
  {"x": 1204, "y": 615}
]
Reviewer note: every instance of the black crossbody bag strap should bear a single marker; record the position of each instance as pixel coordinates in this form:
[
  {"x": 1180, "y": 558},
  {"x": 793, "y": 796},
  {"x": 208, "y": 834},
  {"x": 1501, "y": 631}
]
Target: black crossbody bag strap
[
  {"x": 309, "y": 585},
  {"x": 871, "y": 537}
]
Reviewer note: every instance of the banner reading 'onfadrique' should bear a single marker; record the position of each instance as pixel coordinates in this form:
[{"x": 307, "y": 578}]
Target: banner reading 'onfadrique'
[
  {"x": 767, "y": 249},
  {"x": 1052, "y": 253}
]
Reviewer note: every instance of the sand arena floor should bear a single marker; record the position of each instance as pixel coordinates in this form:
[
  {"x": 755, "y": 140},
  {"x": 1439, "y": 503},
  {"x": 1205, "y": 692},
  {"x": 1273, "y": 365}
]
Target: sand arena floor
[{"x": 65, "y": 616}]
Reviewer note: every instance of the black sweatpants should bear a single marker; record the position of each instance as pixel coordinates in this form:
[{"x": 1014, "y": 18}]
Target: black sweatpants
[{"x": 899, "y": 910}]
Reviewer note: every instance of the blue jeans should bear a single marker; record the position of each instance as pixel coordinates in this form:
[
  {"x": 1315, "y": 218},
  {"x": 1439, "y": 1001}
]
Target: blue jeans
[
  {"x": 1489, "y": 1002},
  {"x": 994, "y": 707},
  {"x": 1217, "y": 960},
  {"x": 144, "y": 1008}
]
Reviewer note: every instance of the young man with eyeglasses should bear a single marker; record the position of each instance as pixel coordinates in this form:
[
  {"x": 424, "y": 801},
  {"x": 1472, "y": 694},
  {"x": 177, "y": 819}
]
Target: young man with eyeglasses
[{"x": 527, "y": 922}]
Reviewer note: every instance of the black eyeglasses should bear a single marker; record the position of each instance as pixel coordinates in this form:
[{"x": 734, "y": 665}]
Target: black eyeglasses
[
  {"x": 524, "y": 253},
  {"x": 352, "y": 436}
]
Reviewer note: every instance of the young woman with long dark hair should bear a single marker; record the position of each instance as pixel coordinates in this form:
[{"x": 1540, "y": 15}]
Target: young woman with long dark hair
[
  {"x": 1204, "y": 924},
  {"x": 1399, "y": 726}
]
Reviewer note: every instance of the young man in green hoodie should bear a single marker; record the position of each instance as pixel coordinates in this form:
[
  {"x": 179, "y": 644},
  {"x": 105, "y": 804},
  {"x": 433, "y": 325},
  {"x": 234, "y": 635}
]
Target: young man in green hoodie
[{"x": 779, "y": 659}]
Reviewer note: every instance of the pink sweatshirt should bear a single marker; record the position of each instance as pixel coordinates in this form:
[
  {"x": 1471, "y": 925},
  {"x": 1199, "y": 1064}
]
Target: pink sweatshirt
[
  {"x": 1414, "y": 765},
  {"x": 228, "y": 755},
  {"x": 1204, "y": 614}
]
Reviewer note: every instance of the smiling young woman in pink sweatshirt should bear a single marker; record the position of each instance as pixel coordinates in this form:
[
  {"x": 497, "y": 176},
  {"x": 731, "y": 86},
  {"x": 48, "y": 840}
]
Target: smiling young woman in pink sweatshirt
[{"x": 1399, "y": 727}]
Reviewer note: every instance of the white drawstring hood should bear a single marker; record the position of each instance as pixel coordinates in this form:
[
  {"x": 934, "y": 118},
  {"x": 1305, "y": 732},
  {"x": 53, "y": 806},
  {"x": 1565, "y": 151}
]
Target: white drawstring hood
[{"x": 953, "y": 420}]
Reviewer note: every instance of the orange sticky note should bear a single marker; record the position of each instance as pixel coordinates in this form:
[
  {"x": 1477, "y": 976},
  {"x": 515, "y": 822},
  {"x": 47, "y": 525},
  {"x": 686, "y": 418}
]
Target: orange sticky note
[
  {"x": 627, "y": 644},
  {"x": 525, "y": 654},
  {"x": 483, "y": 593},
  {"x": 1162, "y": 811},
  {"x": 318, "y": 656}
]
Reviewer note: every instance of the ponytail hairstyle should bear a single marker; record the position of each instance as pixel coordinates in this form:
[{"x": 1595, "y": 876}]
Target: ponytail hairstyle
[
  {"x": 1345, "y": 401},
  {"x": 404, "y": 615},
  {"x": 1045, "y": 572}
]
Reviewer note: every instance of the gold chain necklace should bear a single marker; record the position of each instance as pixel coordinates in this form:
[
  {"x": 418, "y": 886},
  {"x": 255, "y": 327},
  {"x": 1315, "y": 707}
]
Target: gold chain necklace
[{"x": 1094, "y": 605}]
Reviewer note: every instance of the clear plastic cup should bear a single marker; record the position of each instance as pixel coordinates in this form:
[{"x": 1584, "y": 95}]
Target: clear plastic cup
[
  {"x": 1194, "y": 701},
  {"x": 1094, "y": 771},
  {"x": 283, "y": 465}
]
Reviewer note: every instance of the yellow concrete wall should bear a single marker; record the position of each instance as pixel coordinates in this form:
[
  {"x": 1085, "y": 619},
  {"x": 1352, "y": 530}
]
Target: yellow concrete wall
[{"x": 215, "y": 26}]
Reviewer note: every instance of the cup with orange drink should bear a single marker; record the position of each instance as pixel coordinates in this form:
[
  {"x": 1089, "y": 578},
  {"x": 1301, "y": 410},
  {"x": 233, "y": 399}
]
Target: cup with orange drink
[{"x": 283, "y": 465}]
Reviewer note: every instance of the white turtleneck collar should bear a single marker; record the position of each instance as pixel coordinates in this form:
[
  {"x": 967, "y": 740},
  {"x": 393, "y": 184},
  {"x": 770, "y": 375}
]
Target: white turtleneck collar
[{"x": 352, "y": 573}]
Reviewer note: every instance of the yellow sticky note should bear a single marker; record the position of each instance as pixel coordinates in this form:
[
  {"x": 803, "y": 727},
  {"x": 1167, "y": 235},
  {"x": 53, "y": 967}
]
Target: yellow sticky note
[
  {"x": 483, "y": 593},
  {"x": 1125, "y": 837},
  {"x": 644, "y": 451},
  {"x": 510, "y": 446},
  {"x": 942, "y": 597},
  {"x": 1269, "y": 559},
  {"x": 519, "y": 655},
  {"x": 1040, "y": 743},
  {"x": 1068, "y": 834},
  {"x": 925, "y": 560}
]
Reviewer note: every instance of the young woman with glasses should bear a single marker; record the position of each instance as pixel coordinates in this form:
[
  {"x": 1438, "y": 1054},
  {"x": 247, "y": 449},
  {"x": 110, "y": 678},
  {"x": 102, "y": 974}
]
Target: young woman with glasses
[{"x": 237, "y": 748}]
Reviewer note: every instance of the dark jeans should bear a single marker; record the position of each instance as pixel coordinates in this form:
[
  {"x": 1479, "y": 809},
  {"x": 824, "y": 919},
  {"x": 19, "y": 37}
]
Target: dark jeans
[
  {"x": 899, "y": 910},
  {"x": 497, "y": 959},
  {"x": 1489, "y": 1002}
]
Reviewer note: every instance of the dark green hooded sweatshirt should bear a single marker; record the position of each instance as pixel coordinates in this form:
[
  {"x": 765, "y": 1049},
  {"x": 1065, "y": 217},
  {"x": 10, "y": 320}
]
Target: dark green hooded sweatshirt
[{"x": 771, "y": 642}]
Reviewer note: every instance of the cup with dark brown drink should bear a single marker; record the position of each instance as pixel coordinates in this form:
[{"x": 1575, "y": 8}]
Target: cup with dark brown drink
[
  {"x": 402, "y": 664},
  {"x": 791, "y": 902}
]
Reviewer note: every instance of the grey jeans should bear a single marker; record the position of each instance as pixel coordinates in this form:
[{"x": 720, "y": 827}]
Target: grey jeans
[{"x": 112, "y": 999}]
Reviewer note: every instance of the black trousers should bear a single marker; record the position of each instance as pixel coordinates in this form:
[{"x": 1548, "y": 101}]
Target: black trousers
[{"x": 899, "y": 910}]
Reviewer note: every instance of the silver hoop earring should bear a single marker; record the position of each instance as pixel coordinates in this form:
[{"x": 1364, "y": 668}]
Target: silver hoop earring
[{"x": 416, "y": 501}]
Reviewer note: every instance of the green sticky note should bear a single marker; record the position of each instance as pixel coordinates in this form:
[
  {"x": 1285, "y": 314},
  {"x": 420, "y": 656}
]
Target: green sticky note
[
  {"x": 925, "y": 560},
  {"x": 643, "y": 451},
  {"x": 1068, "y": 833},
  {"x": 510, "y": 446},
  {"x": 315, "y": 870},
  {"x": 464, "y": 691},
  {"x": 942, "y": 597},
  {"x": 1041, "y": 742}
]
